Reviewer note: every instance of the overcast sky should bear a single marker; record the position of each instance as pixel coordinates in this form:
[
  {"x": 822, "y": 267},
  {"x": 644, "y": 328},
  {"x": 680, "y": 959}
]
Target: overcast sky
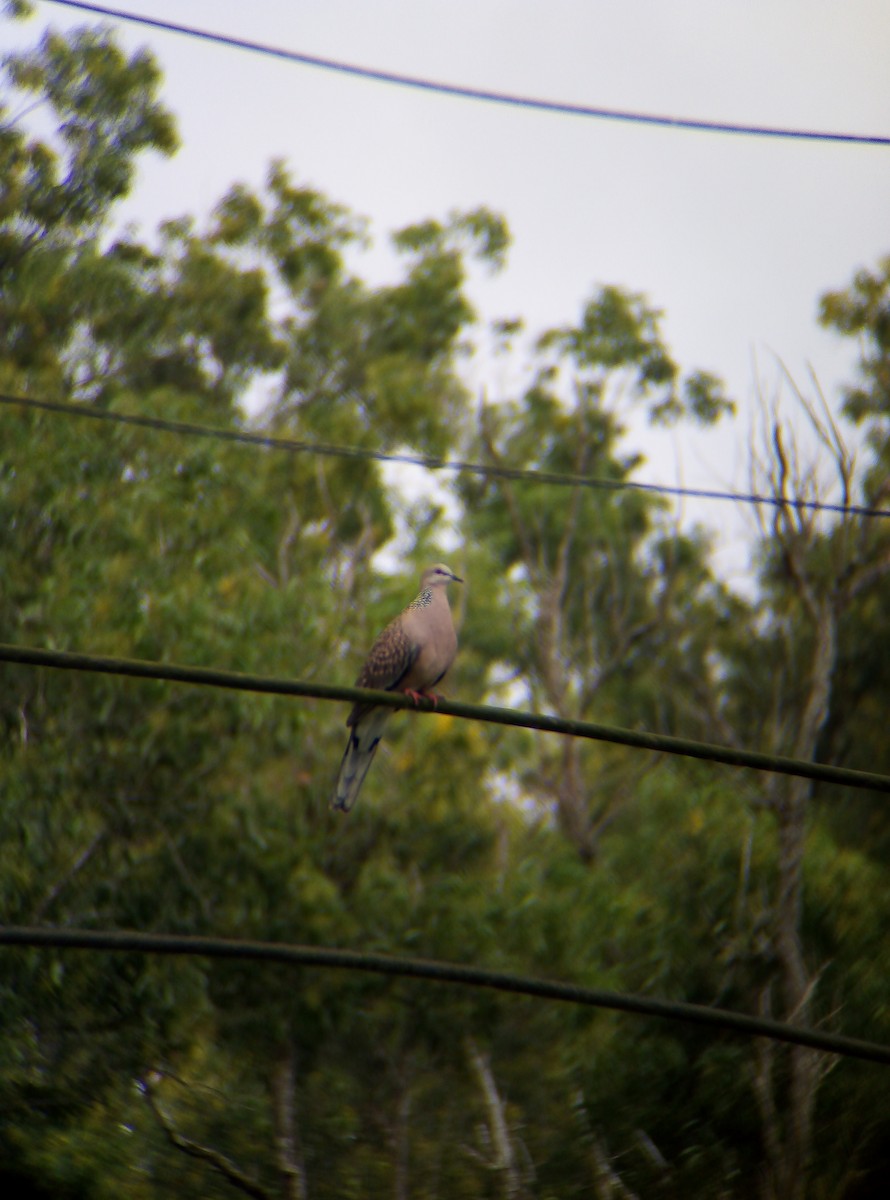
[{"x": 733, "y": 237}]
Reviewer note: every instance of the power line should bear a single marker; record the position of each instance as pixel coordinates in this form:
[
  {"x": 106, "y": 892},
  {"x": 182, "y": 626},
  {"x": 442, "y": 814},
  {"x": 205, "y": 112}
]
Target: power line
[
  {"x": 470, "y": 93},
  {"x": 430, "y": 462},
  {"x": 659, "y": 743},
  {"x": 123, "y": 941}
]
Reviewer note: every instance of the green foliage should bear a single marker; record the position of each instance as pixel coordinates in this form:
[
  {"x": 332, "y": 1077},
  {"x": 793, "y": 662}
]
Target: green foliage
[
  {"x": 133, "y": 805},
  {"x": 55, "y": 196},
  {"x": 705, "y": 398},
  {"x": 863, "y": 312},
  {"x": 619, "y": 334},
  {"x": 107, "y": 114}
]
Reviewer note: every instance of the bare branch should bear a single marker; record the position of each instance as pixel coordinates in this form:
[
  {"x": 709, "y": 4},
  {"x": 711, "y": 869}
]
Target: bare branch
[
  {"x": 76, "y": 867},
  {"x": 213, "y": 1158},
  {"x": 186, "y": 876},
  {"x": 285, "y": 542},
  {"x": 509, "y": 495}
]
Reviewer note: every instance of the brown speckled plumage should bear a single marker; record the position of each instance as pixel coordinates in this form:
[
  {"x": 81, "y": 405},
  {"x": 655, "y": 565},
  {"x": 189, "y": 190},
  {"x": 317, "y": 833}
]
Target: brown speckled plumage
[{"x": 411, "y": 655}]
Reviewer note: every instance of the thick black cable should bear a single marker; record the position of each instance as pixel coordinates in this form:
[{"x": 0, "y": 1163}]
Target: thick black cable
[
  {"x": 430, "y": 462},
  {"x": 639, "y": 739},
  {"x": 123, "y": 941},
  {"x": 470, "y": 93}
]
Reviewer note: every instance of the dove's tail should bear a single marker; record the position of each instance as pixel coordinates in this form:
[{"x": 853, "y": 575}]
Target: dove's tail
[{"x": 364, "y": 737}]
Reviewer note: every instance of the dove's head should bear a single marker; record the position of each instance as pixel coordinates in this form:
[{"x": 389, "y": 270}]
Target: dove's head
[{"x": 438, "y": 576}]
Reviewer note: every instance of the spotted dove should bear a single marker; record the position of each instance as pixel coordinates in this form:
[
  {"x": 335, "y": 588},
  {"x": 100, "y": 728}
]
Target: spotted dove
[{"x": 411, "y": 655}]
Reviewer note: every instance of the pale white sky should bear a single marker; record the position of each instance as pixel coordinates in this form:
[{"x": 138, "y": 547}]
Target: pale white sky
[{"x": 733, "y": 237}]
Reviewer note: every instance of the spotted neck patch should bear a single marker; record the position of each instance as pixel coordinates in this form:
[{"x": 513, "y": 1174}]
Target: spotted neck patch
[{"x": 423, "y": 600}]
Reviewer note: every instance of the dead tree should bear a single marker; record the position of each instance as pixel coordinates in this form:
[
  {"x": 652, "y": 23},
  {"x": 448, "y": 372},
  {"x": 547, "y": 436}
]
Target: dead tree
[{"x": 819, "y": 568}]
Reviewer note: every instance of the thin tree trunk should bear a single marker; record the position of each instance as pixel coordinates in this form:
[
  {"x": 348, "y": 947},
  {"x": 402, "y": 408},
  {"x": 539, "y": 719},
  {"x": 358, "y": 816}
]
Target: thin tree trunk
[
  {"x": 788, "y": 1141},
  {"x": 291, "y": 1166},
  {"x": 504, "y": 1157},
  {"x": 402, "y": 1145}
]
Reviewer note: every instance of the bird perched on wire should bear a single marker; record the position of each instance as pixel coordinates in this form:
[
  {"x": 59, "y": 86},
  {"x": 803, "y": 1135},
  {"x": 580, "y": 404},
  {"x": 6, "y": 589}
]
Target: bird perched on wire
[{"x": 411, "y": 655}]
